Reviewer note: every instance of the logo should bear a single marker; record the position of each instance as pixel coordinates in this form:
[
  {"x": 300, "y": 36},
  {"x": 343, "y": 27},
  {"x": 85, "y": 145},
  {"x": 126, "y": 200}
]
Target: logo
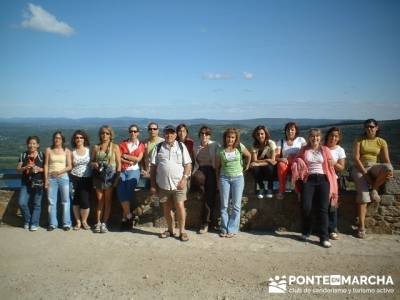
[{"x": 277, "y": 285}]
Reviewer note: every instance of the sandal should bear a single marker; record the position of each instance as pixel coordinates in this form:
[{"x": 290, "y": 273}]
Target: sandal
[
  {"x": 85, "y": 226},
  {"x": 222, "y": 234},
  {"x": 184, "y": 237},
  {"x": 230, "y": 235},
  {"x": 361, "y": 234},
  {"x": 77, "y": 227},
  {"x": 166, "y": 234}
]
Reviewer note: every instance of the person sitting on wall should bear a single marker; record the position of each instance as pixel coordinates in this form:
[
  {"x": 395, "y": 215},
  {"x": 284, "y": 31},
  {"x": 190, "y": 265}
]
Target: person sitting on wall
[{"x": 371, "y": 169}]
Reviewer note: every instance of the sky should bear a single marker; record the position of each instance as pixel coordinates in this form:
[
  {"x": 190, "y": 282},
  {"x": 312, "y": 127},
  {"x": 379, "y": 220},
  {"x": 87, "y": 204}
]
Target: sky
[{"x": 200, "y": 59}]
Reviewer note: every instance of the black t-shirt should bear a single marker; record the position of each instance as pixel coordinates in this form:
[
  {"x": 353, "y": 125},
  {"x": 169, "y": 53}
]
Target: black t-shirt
[{"x": 28, "y": 160}]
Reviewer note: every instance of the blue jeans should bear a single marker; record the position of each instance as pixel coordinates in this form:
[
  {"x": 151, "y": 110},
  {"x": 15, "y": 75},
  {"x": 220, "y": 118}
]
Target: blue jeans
[
  {"x": 332, "y": 220},
  {"x": 126, "y": 187},
  {"x": 30, "y": 197},
  {"x": 315, "y": 195},
  {"x": 230, "y": 220},
  {"x": 62, "y": 184}
]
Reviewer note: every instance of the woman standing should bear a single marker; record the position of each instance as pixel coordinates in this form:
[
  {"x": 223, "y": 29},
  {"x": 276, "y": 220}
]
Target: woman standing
[
  {"x": 56, "y": 168},
  {"x": 30, "y": 164},
  {"x": 106, "y": 164},
  {"x": 372, "y": 168},
  {"x": 286, "y": 151},
  {"x": 332, "y": 141},
  {"x": 263, "y": 160},
  {"x": 319, "y": 187},
  {"x": 229, "y": 166},
  {"x": 81, "y": 178},
  {"x": 183, "y": 137},
  {"x": 204, "y": 176},
  {"x": 131, "y": 154}
]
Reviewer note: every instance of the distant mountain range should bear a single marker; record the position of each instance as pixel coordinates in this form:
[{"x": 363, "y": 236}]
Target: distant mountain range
[{"x": 271, "y": 123}]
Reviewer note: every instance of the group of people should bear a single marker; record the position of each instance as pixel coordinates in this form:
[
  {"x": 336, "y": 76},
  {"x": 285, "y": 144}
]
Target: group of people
[{"x": 173, "y": 164}]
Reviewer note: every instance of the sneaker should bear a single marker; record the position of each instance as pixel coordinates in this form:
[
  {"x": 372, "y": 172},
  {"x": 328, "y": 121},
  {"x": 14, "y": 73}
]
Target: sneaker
[
  {"x": 97, "y": 228},
  {"x": 66, "y": 228},
  {"x": 305, "y": 237},
  {"x": 269, "y": 194},
  {"x": 326, "y": 244},
  {"x": 203, "y": 229},
  {"x": 51, "y": 228},
  {"x": 280, "y": 196},
  {"x": 34, "y": 228},
  {"x": 26, "y": 226},
  {"x": 375, "y": 196},
  {"x": 260, "y": 194},
  {"x": 334, "y": 236},
  {"x": 103, "y": 228}
]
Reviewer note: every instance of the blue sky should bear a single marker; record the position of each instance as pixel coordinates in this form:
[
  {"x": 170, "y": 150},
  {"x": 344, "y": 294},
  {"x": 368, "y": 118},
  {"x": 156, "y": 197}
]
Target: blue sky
[{"x": 191, "y": 59}]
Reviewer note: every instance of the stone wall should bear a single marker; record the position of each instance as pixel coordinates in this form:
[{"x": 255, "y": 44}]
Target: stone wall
[{"x": 257, "y": 214}]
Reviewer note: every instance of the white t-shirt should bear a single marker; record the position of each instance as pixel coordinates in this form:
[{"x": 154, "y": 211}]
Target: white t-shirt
[
  {"x": 314, "y": 161},
  {"x": 293, "y": 149},
  {"x": 337, "y": 153},
  {"x": 169, "y": 164}
]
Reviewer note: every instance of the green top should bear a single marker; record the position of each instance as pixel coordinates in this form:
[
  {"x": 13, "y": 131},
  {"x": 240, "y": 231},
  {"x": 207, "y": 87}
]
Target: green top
[
  {"x": 150, "y": 145},
  {"x": 107, "y": 157},
  {"x": 231, "y": 166}
]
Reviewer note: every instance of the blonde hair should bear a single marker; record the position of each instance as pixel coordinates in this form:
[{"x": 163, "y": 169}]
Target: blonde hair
[
  {"x": 313, "y": 131},
  {"x": 109, "y": 129}
]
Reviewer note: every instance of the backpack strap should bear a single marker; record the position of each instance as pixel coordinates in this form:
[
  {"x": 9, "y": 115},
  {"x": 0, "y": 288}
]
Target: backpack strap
[
  {"x": 40, "y": 156},
  {"x": 159, "y": 145}
]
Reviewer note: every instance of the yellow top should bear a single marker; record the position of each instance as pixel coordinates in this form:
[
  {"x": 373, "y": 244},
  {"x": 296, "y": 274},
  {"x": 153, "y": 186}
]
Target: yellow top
[
  {"x": 57, "y": 162},
  {"x": 370, "y": 149}
]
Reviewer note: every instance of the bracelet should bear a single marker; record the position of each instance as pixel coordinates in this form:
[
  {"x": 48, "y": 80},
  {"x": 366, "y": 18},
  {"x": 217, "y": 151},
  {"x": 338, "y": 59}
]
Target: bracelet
[{"x": 186, "y": 176}]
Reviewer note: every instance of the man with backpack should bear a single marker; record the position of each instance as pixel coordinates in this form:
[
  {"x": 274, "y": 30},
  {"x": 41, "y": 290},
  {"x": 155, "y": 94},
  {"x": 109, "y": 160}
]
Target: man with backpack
[{"x": 170, "y": 170}]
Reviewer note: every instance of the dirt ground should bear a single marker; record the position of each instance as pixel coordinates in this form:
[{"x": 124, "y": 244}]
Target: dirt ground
[{"x": 139, "y": 265}]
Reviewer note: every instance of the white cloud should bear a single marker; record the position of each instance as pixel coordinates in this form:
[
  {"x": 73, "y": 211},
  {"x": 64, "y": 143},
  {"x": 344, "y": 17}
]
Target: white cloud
[
  {"x": 216, "y": 76},
  {"x": 37, "y": 18},
  {"x": 248, "y": 76}
]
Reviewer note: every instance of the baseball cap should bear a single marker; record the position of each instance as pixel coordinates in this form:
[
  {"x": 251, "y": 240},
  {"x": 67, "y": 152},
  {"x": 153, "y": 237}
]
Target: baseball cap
[{"x": 169, "y": 128}]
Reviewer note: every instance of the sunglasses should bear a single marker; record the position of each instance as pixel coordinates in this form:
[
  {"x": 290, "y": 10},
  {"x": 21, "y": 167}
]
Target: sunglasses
[
  {"x": 204, "y": 133},
  {"x": 79, "y": 138},
  {"x": 152, "y": 128},
  {"x": 134, "y": 131}
]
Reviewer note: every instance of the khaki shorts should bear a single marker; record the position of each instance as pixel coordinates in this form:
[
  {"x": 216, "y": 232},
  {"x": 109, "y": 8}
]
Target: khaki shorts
[
  {"x": 362, "y": 187},
  {"x": 172, "y": 195}
]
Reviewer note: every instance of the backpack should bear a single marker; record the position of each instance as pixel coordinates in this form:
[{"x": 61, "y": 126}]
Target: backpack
[
  {"x": 159, "y": 145},
  {"x": 24, "y": 156}
]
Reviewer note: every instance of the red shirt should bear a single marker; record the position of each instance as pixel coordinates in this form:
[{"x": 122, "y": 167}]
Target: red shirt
[{"x": 123, "y": 147}]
